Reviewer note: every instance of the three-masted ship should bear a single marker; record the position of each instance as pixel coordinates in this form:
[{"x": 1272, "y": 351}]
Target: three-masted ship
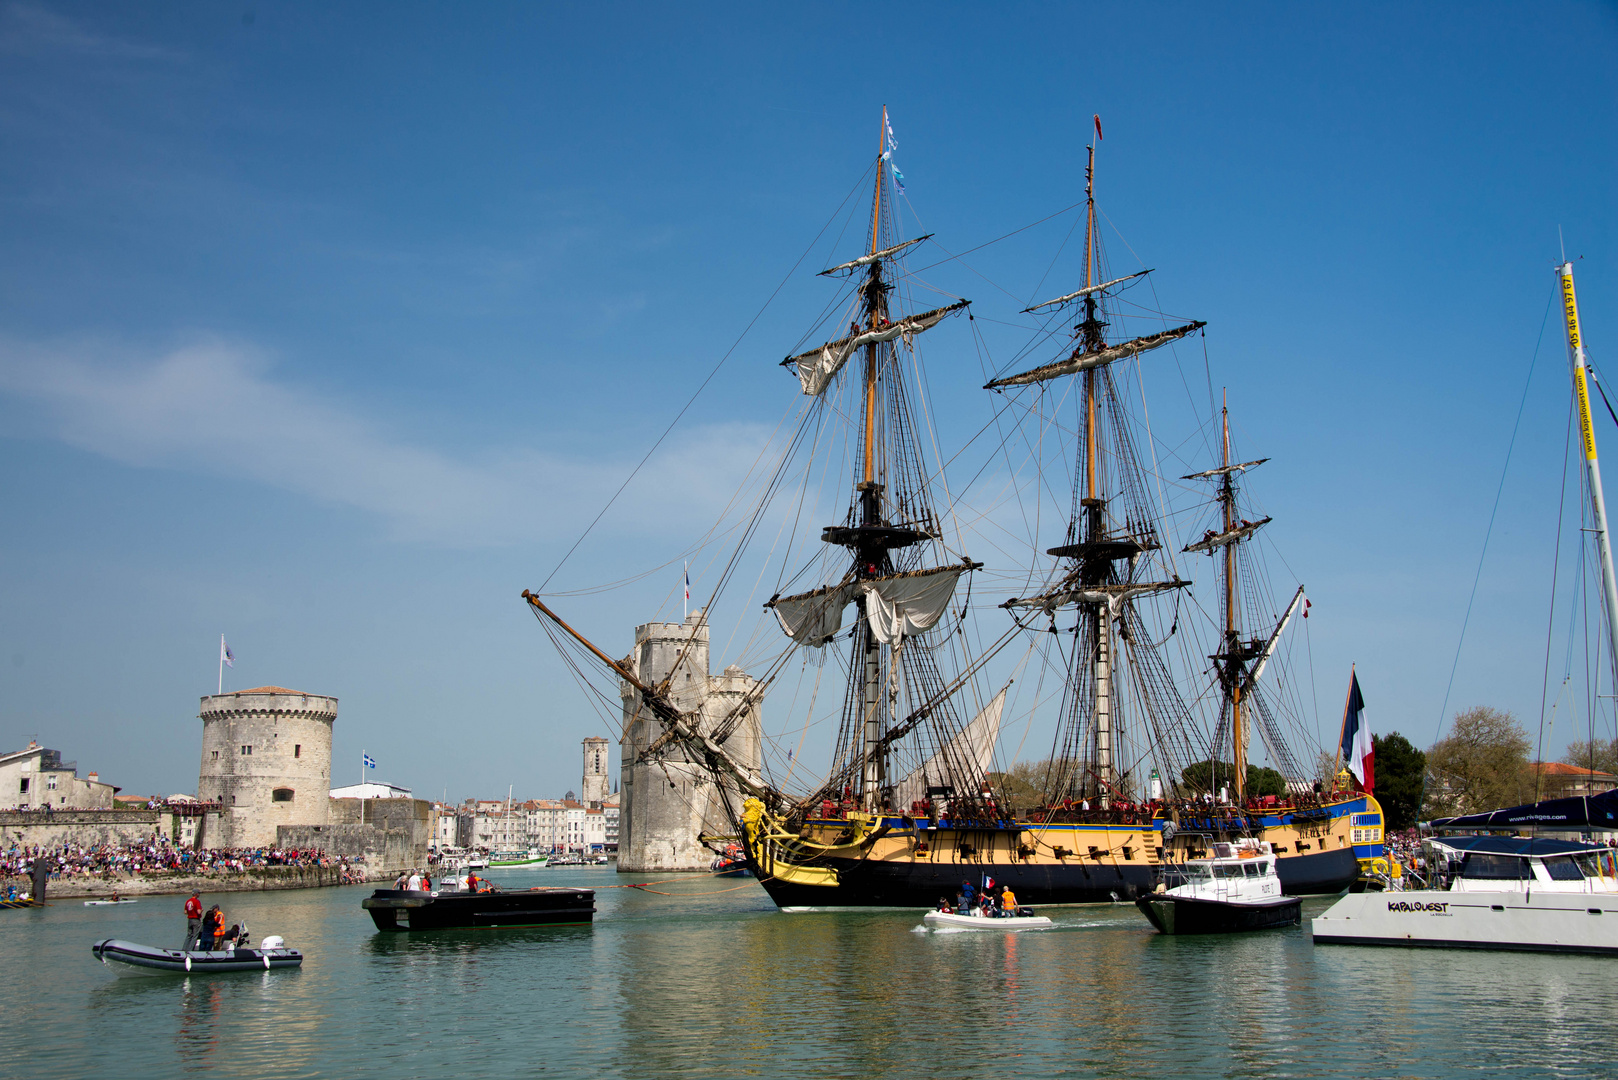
[{"x": 910, "y": 806}]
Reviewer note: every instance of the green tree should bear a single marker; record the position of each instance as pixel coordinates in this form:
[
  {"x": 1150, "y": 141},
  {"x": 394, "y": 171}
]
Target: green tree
[
  {"x": 1601, "y": 755},
  {"x": 1401, "y": 770},
  {"x": 1481, "y": 765},
  {"x": 1260, "y": 780}
]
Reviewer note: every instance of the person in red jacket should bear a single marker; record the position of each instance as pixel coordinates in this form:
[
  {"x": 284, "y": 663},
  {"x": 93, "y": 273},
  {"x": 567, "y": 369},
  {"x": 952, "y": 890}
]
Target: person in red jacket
[{"x": 193, "y": 920}]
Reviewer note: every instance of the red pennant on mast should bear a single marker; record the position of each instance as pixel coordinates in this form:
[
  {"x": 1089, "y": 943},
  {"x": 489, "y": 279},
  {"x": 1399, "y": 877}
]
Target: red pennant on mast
[{"x": 1098, "y": 127}]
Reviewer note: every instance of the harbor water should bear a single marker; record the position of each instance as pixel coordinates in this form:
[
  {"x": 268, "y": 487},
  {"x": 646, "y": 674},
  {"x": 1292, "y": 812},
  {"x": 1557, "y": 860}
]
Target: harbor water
[{"x": 711, "y": 980}]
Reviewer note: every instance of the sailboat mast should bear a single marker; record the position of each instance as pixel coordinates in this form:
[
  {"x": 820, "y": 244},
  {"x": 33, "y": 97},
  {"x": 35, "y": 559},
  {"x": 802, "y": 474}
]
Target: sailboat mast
[
  {"x": 1228, "y": 497},
  {"x": 1592, "y": 466}
]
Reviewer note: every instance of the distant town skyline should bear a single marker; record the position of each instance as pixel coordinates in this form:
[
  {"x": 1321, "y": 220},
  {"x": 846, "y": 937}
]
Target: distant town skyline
[{"x": 330, "y": 330}]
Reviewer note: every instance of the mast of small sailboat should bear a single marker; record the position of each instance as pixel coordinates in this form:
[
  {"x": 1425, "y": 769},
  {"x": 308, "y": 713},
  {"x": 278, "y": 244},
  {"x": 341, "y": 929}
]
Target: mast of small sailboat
[{"x": 1592, "y": 466}]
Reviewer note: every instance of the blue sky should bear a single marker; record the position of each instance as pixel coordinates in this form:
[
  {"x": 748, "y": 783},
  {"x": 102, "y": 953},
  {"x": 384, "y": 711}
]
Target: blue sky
[{"x": 330, "y": 329}]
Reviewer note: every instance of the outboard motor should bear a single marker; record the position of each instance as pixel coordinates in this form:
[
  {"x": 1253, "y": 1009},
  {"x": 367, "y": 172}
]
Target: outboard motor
[{"x": 273, "y": 941}]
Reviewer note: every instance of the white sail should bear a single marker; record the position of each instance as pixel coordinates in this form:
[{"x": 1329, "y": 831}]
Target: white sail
[
  {"x": 813, "y": 618},
  {"x": 1218, "y": 540},
  {"x": 866, "y": 260},
  {"x": 968, "y": 754},
  {"x": 905, "y": 605},
  {"x": 1082, "y": 361},
  {"x": 1103, "y": 287},
  {"x": 1111, "y": 595},
  {"x": 816, "y": 368}
]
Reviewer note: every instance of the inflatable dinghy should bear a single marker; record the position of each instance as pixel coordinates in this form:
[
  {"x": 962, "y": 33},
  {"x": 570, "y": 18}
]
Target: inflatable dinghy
[{"x": 128, "y": 955}]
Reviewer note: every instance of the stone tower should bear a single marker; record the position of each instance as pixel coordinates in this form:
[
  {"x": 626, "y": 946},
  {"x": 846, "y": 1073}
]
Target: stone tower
[
  {"x": 266, "y": 759},
  {"x": 669, "y": 802},
  {"x": 596, "y": 787}
]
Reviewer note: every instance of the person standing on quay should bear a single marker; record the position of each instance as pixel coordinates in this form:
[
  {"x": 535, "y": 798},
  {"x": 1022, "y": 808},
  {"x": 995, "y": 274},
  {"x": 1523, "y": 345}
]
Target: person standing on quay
[{"x": 193, "y": 920}]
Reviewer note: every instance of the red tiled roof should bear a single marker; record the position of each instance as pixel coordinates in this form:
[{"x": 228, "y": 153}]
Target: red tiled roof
[
  {"x": 275, "y": 690},
  {"x": 1560, "y": 768}
]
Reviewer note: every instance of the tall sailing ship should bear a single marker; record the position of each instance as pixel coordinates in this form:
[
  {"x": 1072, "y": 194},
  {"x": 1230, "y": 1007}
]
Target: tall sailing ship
[{"x": 910, "y": 805}]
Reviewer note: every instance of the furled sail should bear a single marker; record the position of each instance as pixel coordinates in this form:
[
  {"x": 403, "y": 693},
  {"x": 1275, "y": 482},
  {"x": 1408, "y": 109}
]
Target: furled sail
[
  {"x": 816, "y": 367},
  {"x": 1224, "y": 469},
  {"x": 1111, "y": 595},
  {"x": 1218, "y": 540},
  {"x": 1081, "y": 361},
  {"x": 813, "y": 618},
  {"x": 866, "y": 260},
  {"x": 1103, "y": 287},
  {"x": 969, "y": 754},
  {"x": 904, "y": 605}
]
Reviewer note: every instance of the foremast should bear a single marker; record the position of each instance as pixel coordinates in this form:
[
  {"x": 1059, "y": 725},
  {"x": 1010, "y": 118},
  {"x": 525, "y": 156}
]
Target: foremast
[{"x": 895, "y": 596}]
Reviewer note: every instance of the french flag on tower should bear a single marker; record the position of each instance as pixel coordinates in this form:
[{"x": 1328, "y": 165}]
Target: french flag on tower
[{"x": 1358, "y": 755}]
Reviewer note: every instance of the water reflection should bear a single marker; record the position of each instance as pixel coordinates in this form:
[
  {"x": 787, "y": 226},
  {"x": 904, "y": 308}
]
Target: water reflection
[{"x": 711, "y": 983}]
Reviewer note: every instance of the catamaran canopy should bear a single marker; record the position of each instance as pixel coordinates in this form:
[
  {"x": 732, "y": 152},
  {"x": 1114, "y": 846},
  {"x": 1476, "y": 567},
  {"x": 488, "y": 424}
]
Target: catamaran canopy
[
  {"x": 1598, "y": 811},
  {"x": 816, "y": 368},
  {"x": 1083, "y": 361}
]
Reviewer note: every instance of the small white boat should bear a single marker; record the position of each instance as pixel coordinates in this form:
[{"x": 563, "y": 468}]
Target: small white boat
[
  {"x": 938, "y": 920},
  {"x": 1490, "y": 892},
  {"x": 104, "y": 903}
]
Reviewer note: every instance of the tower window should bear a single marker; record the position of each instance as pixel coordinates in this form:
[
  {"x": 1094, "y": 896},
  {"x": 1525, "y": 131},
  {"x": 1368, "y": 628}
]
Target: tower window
[
  {"x": 281, "y": 794},
  {"x": 246, "y": 751},
  {"x": 216, "y": 755},
  {"x": 297, "y": 750}
]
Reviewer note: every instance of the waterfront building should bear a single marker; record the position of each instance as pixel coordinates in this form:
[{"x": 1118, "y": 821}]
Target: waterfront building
[
  {"x": 1558, "y": 780},
  {"x": 670, "y": 802},
  {"x": 596, "y": 786},
  {"x": 266, "y": 760},
  {"x": 609, "y": 815},
  {"x": 372, "y": 789},
  {"x": 34, "y": 778}
]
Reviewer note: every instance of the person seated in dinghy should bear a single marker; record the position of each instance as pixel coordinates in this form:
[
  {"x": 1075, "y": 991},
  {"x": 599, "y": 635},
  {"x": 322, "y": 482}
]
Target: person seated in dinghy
[{"x": 944, "y": 906}]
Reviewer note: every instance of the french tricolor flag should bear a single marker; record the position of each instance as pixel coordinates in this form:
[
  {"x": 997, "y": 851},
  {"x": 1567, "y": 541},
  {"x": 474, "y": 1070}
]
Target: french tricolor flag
[{"x": 1358, "y": 755}]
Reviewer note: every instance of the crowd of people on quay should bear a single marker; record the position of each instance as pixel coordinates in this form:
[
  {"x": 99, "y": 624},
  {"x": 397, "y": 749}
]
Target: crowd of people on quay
[{"x": 158, "y": 856}]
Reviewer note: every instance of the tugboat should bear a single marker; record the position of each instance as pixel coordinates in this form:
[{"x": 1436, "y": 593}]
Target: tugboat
[
  {"x": 1238, "y": 889},
  {"x": 453, "y": 906}
]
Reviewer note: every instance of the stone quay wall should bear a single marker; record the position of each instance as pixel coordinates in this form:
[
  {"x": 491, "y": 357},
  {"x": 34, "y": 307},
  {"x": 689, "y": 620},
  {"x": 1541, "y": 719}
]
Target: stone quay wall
[
  {"x": 85, "y": 828},
  {"x": 389, "y": 834},
  {"x": 258, "y": 879}
]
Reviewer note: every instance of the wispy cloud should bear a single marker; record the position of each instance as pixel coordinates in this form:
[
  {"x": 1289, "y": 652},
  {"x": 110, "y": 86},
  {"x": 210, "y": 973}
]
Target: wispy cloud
[
  {"x": 215, "y": 407},
  {"x": 26, "y": 29}
]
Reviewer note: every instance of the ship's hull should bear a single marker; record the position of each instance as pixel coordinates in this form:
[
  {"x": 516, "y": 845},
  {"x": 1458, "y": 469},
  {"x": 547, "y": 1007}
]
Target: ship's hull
[
  {"x": 887, "y": 863},
  {"x": 865, "y": 883},
  {"x": 395, "y": 909},
  {"x": 1187, "y": 915}
]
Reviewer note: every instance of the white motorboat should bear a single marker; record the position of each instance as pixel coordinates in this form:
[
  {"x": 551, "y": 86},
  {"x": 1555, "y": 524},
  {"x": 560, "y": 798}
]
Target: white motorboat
[
  {"x": 1236, "y": 890},
  {"x": 1491, "y": 892},
  {"x": 939, "y": 920},
  {"x": 104, "y": 903}
]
